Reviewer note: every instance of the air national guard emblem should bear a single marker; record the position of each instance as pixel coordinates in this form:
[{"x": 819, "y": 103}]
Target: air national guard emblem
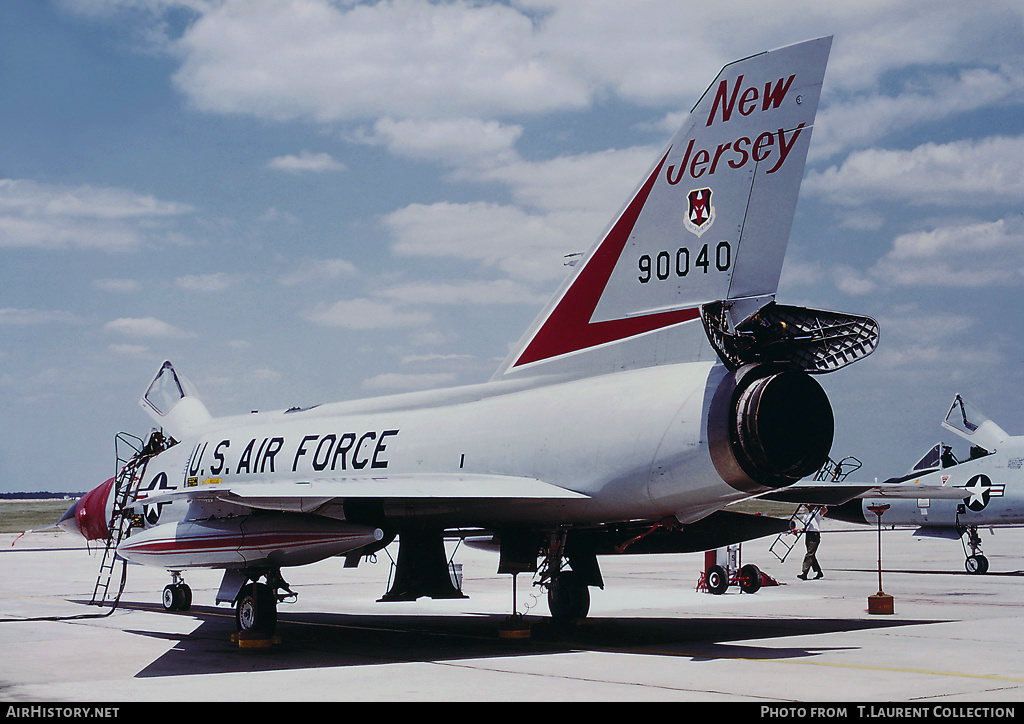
[{"x": 700, "y": 214}]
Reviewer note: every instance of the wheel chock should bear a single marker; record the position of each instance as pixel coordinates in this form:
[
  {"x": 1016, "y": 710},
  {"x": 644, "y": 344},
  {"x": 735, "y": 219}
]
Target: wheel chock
[
  {"x": 514, "y": 627},
  {"x": 254, "y": 640}
]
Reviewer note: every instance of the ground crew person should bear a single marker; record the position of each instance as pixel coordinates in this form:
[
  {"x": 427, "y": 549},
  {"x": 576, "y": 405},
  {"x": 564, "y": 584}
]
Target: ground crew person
[{"x": 812, "y": 537}]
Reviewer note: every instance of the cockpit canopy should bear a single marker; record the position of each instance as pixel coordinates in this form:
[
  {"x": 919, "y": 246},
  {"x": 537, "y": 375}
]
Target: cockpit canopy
[
  {"x": 171, "y": 400},
  {"x": 166, "y": 390},
  {"x": 931, "y": 460},
  {"x": 939, "y": 457},
  {"x": 969, "y": 423}
]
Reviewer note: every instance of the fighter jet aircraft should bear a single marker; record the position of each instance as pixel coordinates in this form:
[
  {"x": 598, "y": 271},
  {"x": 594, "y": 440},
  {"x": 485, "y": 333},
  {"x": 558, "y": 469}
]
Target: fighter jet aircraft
[
  {"x": 661, "y": 383},
  {"x": 986, "y": 489}
]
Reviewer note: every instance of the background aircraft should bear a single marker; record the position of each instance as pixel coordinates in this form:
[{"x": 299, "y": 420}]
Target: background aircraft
[
  {"x": 660, "y": 384},
  {"x": 990, "y": 481}
]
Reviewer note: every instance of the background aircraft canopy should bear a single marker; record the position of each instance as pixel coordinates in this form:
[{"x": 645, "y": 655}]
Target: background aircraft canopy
[{"x": 969, "y": 423}]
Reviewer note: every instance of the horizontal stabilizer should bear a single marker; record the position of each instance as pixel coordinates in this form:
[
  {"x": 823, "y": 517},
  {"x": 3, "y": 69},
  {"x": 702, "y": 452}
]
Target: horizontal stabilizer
[
  {"x": 816, "y": 495},
  {"x": 913, "y": 492}
]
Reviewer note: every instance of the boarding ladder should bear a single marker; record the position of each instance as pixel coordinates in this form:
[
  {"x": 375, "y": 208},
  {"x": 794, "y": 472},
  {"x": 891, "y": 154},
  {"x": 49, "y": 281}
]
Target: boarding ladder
[
  {"x": 131, "y": 464},
  {"x": 830, "y": 471}
]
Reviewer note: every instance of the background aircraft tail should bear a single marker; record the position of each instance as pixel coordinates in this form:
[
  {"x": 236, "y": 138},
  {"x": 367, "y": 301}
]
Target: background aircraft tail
[{"x": 710, "y": 222}]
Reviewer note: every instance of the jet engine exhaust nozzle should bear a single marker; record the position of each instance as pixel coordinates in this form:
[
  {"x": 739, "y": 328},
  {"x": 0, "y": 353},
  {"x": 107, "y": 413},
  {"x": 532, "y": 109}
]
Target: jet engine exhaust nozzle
[{"x": 769, "y": 426}]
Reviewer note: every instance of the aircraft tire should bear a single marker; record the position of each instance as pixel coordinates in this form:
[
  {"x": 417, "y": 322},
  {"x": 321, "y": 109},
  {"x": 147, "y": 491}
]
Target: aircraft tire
[
  {"x": 186, "y": 597},
  {"x": 976, "y": 564},
  {"x": 177, "y": 597},
  {"x": 256, "y": 609},
  {"x": 169, "y": 599},
  {"x": 717, "y": 580},
  {"x": 568, "y": 597},
  {"x": 750, "y": 578}
]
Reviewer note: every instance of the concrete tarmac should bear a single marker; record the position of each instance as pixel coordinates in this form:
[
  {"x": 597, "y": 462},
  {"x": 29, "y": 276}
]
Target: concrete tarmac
[{"x": 651, "y": 636}]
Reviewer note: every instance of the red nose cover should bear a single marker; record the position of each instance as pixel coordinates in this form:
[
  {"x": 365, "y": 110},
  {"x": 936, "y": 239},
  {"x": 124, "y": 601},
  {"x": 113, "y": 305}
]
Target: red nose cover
[{"x": 91, "y": 512}]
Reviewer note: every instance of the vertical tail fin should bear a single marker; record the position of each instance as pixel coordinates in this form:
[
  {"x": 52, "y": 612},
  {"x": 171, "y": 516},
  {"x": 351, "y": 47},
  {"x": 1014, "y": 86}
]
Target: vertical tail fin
[{"x": 710, "y": 222}]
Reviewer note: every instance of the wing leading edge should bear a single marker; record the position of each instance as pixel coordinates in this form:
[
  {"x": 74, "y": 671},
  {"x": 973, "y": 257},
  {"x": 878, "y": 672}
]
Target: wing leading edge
[
  {"x": 304, "y": 495},
  {"x": 837, "y": 494}
]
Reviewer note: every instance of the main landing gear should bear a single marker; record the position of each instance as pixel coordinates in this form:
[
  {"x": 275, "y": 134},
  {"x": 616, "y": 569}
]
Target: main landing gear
[
  {"x": 256, "y": 604},
  {"x": 256, "y": 609},
  {"x": 568, "y": 597},
  {"x": 568, "y": 589}
]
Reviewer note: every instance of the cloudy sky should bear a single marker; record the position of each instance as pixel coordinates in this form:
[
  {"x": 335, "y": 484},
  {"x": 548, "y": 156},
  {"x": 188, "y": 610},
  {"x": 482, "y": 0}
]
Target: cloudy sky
[{"x": 304, "y": 201}]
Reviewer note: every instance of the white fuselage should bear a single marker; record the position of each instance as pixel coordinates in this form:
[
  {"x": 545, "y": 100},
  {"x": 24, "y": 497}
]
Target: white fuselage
[
  {"x": 660, "y": 383},
  {"x": 634, "y": 443},
  {"x": 995, "y": 483}
]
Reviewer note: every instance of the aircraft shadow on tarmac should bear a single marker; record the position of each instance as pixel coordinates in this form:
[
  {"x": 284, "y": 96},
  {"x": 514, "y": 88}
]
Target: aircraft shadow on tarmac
[{"x": 322, "y": 640}]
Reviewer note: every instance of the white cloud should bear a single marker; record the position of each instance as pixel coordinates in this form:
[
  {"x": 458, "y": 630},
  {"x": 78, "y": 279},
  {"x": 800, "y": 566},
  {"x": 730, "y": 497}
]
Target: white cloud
[
  {"x": 408, "y": 381},
  {"x": 851, "y": 281},
  {"x": 129, "y": 350},
  {"x": 563, "y": 205},
  {"x": 586, "y": 183},
  {"x": 304, "y": 59},
  {"x": 317, "y": 270},
  {"x": 365, "y": 314},
  {"x": 81, "y": 202},
  {"x": 414, "y": 359},
  {"x": 501, "y": 291},
  {"x": 263, "y": 376},
  {"x": 273, "y": 215},
  {"x": 964, "y": 255},
  {"x": 117, "y": 286},
  {"x": 391, "y": 61},
  {"x": 961, "y": 255},
  {"x": 144, "y": 327},
  {"x": 206, "y": 283},
  {"x": 862, "y": 119},
  {"x": 955, "y": 174},
  {"x": 48, "y": 216},
  {"x": 796, "y": 271},
  {"x": 455, "y": 141},
  {"x": 909, "y": 322},
  {"x": 31, "y": 317},
  {"x": 917, "y": 341},
  {"x": 325, "y": 61},
  {"x": 306, "y": 162},
  {"x": 521, "y": 244}
]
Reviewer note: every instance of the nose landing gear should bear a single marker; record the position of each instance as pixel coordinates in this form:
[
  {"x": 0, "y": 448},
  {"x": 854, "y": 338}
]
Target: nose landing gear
[
  {"x": 976, "y": 561},
  {"x": 177, "y": 595}
]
